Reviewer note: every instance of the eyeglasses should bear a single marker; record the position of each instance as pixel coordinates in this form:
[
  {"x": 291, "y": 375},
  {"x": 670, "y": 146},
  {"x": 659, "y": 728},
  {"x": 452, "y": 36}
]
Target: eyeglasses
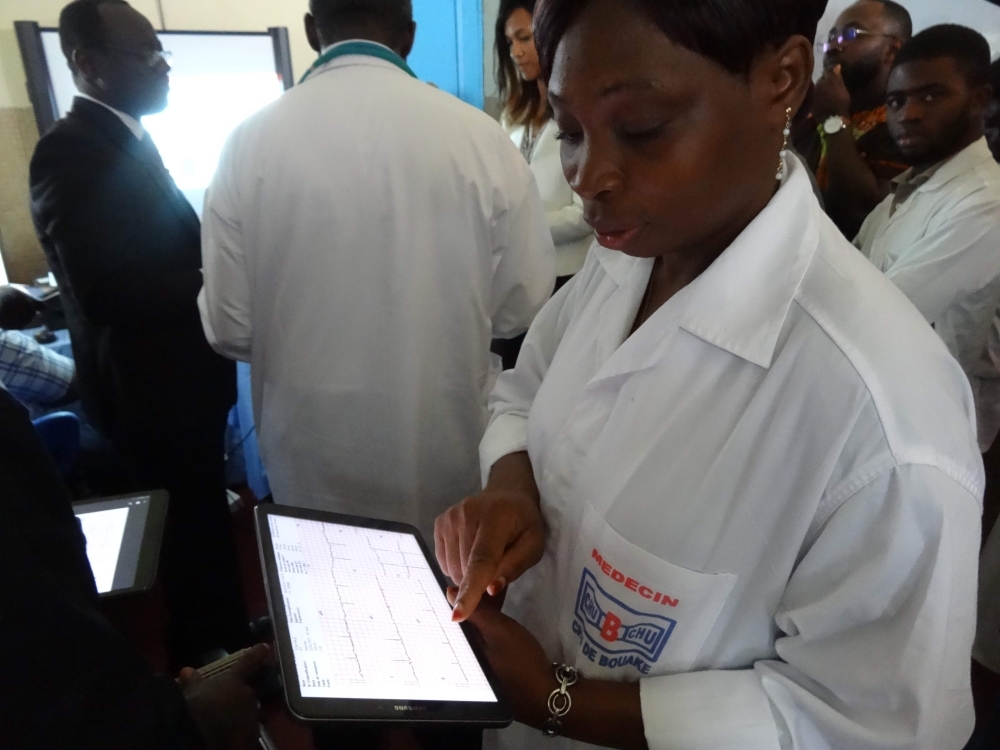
[
  {"x": 153, "y": 58},
  {"x": 847, "y": 35}
]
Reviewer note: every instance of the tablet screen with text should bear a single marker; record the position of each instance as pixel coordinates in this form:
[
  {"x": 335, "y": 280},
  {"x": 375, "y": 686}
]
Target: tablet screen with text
[{"x": 367, "y": 618}]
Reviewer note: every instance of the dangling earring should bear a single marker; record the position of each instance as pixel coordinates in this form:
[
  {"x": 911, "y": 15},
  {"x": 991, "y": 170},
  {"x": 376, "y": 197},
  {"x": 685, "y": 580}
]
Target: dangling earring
[{"x": 784, "y": 146}]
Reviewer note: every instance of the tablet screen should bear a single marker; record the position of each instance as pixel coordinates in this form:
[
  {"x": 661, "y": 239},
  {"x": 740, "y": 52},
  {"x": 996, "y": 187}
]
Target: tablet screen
[
  {"x": 367, "y": 618},
  {"x": 114, "y": 531}
]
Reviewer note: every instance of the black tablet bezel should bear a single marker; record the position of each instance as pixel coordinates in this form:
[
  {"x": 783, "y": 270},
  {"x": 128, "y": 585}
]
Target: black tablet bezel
[
  {"x": 152, "y": 538},
  {"x": 497, "y": 714}
]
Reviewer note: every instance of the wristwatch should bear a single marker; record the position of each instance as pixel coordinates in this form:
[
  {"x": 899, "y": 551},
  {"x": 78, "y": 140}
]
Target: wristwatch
[{"x": 835, "y": 124}]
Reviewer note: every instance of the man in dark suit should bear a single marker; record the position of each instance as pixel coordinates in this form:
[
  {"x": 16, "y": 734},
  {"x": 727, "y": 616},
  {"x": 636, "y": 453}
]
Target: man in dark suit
[
  {"x": 67, "y": 678},
  {"x": 125, "y": 247}
]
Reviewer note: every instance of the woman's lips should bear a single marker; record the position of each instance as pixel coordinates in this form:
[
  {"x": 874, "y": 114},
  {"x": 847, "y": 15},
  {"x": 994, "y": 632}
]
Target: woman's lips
[{"x": 617, "y": 239}]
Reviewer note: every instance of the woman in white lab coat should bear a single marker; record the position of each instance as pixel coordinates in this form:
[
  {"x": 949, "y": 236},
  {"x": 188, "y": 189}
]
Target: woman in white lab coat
[
  {"x": 527, "y": 118},
  {"x": 734, "y": 512}
]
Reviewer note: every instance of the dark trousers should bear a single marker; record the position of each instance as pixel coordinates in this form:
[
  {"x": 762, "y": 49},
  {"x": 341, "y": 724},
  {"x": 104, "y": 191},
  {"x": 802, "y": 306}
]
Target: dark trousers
[
  {"x": 184, "y": 453},
  {"x": 367, "y": 737}
]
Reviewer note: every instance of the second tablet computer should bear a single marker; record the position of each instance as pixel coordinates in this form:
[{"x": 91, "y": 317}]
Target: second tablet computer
[{"x": 363, "y": 628}]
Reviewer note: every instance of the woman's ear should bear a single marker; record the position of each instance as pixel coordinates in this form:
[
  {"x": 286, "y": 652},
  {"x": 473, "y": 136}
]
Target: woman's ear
[{"x": 788, "y": 73}]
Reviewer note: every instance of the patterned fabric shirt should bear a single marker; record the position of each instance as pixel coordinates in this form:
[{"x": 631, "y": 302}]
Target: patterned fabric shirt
[
  {"x": 880, "y": 153},
  {"x": 33, "y": 374}
]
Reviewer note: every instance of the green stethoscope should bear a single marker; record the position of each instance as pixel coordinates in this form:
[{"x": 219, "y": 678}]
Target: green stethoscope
[{"x": 359, "y": 48}]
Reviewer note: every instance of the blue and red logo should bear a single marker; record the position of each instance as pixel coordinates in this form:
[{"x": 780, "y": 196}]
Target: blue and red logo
[{"x": 615, "y": 628}]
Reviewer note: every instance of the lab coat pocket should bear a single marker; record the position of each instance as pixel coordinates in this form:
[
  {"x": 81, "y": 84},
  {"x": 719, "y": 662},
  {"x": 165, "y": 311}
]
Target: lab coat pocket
[{"x": 629, "y": 614}]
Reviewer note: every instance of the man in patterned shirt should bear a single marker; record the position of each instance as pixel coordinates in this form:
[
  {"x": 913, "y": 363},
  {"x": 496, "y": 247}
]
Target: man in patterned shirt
[{"x": 36, "y": 376}]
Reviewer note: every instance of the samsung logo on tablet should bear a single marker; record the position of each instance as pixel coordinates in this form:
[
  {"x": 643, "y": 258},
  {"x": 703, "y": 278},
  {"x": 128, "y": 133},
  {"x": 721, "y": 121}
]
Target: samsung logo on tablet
[{"x": 410, "y": 708}]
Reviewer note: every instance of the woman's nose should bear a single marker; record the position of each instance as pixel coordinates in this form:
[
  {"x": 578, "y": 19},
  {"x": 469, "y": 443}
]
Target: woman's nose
[{"x": 591, "y": 170}]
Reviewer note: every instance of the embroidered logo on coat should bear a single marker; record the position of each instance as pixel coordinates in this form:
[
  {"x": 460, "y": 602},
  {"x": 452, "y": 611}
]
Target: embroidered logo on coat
[{"x": 615, "y": 628}]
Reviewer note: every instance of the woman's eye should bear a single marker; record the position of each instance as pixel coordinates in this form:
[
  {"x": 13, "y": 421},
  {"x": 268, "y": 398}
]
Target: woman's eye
[
  {"x": 569, "y": 137},
  {"x": 642, "y": 135}
]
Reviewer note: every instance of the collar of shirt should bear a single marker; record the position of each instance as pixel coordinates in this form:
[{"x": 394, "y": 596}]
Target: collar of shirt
[
  {"x": 135, "y": 127},
  {"x": 945, "y": 171},
  {"x": 329, "y": 47},
  {"x": 909, "y": 182},
  {"x": 741, "y": 301},
  {"x": 353, "y": 59}
]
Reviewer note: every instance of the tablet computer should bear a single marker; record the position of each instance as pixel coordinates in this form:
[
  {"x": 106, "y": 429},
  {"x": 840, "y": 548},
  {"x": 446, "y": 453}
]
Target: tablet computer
[
  {"x": 363, "y": 627},
  {"x": 123, "y": 535}
]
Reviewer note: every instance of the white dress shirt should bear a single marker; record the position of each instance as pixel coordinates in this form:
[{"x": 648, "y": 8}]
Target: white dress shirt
[
  {"x": 759, "y": 505},
  {"x": 363, "y": 239},
  {"x": 941, "y": 247},
  {"x": 135, "y": 127},
  {"x": 563, "y": 208}
]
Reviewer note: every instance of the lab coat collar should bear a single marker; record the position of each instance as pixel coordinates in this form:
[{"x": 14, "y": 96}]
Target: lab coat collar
[
  {"x": 348, "y": 60},
  {"x": 965, "y": 161},
  {"x": 740, "y": 303}
]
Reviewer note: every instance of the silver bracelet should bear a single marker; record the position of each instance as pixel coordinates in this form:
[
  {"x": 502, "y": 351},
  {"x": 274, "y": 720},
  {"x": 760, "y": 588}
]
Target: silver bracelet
[{"x": 560, "y": 702}]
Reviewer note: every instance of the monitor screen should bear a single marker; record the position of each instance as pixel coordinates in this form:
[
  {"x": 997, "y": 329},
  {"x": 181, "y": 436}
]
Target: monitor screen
[
  {"x": 216, "y": 82},
  {"x": 367, "y": 617}
]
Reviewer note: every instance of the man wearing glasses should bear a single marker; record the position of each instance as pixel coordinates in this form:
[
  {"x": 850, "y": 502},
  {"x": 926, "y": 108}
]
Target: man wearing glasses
[
  {"x": 858, "y": 159},
  {"x": 125, "y": 246}
]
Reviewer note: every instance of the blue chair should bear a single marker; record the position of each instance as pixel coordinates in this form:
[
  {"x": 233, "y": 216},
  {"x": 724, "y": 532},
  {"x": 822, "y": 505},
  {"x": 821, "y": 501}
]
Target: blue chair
[{"x": 60, "y": 434}]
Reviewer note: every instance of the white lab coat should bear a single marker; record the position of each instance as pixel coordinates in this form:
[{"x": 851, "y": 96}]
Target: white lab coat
[
  {"x": 760, "y": 505},
  {"x": 563, "y": 208},
  {"x": 364, "y": 238},
  {"x": 942, "y": 249}
]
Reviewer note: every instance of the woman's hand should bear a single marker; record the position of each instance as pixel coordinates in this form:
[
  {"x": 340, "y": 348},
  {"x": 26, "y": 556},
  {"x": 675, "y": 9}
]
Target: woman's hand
[
  {"x": 525, "y": 672},
  {"x": 603, "y": 713},
  {"x": 489, "y": 540}
]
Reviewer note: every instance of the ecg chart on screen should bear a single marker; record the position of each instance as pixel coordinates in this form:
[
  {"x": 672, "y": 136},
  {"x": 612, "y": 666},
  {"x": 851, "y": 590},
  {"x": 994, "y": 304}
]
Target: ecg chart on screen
[{"x": 367, "y": 617}]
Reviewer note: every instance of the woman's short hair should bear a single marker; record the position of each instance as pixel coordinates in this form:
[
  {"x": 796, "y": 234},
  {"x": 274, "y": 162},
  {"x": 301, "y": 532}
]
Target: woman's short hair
[
  {"x": 730, "y": 32},
  {"x": 521, "y": 99}
]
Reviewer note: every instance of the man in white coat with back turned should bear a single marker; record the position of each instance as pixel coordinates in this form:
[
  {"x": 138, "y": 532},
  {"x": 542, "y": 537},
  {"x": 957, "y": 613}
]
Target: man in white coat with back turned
[{"x": 364, "y": 238}]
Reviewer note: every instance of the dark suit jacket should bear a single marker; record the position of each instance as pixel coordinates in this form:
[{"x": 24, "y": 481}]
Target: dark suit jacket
[
  {"x": 67, "y": 678},
  {"x": 125, "y": 247}
]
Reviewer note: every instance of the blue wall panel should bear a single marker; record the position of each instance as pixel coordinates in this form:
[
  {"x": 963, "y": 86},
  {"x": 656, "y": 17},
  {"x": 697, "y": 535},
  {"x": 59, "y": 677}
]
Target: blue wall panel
[{"x": 449, "y": 47}]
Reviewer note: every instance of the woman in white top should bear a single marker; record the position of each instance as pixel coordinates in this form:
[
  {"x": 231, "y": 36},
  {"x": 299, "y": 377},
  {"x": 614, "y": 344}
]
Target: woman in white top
[
  {"x": 740, "y": 515},
  {"x": 527, "y": 117}
]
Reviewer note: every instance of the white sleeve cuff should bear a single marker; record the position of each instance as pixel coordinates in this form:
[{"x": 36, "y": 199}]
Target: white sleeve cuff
[
  {"x": 507, "y": 433},
  {"x": 714, "y": 710}
]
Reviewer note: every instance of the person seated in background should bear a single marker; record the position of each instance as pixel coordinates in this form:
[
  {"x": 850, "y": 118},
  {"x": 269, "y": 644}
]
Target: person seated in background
[
  {"x": 124, "y": 245},
  {"x": 858, "y": 156},
  {"x": 35, "y": 375},
  {"x": 937, "y": 236},
  {"x": 67, "y": 677}
]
